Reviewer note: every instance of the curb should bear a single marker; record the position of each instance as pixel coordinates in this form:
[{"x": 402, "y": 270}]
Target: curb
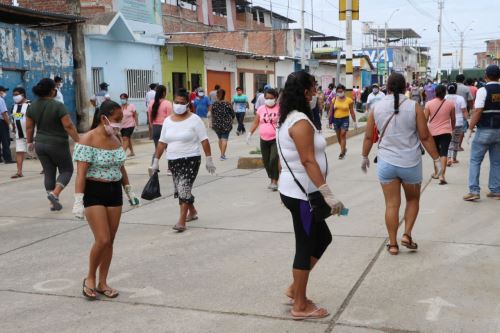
[{"x": 255, "y": 162}]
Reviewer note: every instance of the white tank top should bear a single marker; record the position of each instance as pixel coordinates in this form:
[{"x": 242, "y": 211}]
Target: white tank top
[
  {"x": 287, "y": 185},
  {"x": 400, "y": 145}
]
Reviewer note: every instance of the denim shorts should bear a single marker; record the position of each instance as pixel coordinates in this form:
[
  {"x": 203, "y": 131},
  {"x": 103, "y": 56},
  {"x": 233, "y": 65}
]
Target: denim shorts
[
  {"x": 387, "y": 173},
  {"x": 341, "y": 123}
]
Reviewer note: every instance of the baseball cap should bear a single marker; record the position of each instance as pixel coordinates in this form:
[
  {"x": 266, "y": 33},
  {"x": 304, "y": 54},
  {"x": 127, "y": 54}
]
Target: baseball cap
[
  {"x": 375, "y": 85},
  {"x": 2, "y": 88},
  {"x": 492, "y": 71},
  {"x": 103, "y": 85},
  {"x": 267, "y": 87}
]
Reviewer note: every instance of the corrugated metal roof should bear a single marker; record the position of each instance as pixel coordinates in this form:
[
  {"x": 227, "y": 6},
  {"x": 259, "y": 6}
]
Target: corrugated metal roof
[{"x": 30, "y": 16}]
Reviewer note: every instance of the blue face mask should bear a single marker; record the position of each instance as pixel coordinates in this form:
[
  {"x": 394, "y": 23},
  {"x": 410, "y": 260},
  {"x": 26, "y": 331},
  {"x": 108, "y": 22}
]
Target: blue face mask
[{"x": 123, "y": 101}]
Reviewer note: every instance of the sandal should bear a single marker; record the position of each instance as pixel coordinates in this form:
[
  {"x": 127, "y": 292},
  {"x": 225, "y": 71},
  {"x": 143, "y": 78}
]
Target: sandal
[
  {"x": 54, "y": 201},
  {"x": 443, "y": 182},
  {"x": 88, "y": 296},
  {"x": 109, "y": 293},
  {"x": 434, "y": 176},
  {"x": 191, "y": 218},
  {"x": 410, "y": 244},
  {"x": 389, "y": 247},
  {"x": 315, "y": 314},
  {"x": 17, "y": 175},
  {"x": 179, "y": 228}
]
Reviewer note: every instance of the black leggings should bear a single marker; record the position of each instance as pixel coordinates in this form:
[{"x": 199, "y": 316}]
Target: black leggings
[
  {"x": 53, "y": 158},
  {"x": 312, "y": 236}
]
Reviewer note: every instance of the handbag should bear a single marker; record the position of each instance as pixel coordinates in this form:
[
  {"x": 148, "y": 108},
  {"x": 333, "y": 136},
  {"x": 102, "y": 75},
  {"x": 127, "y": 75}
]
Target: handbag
[{"x": 318, "y": 206}]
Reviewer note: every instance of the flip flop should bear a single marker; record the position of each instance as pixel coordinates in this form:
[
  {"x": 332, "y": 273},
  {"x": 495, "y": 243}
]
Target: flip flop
[
  {"x": 443, "y": 182},
  {"x": 89, "y": 297},
  {"x": 16, "y": 176},
  {"x": 435, "y": 177},
  {"x": 179, "y": 228},
  {"x": 410, "y": 244},
  {"x": 191, "y": 218},
  {"x": 311, "y": 315},
  {"x": 109, "y": 293}
]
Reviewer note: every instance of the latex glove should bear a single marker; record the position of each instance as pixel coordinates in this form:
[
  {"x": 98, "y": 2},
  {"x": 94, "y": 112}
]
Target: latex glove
[
  {"x": 335, "y": 204},
  {"x": 132, "y": 198},
  {"x": 210, "y": 165},
  {"x": 155, "y": 167},
  {"x": 31, "y": 147},
  {"x": 365, "y": 164},
  {"x": 469, "y": 137},
  {"x": 249, "y": 136},
  {"x": 437, "y": 166},
  {"x": 78, "y": 208},
  {"x": 355, "y": 125}
]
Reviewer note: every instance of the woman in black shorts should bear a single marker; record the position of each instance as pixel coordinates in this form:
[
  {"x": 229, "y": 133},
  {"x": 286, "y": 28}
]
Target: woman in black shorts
[
  {"x": 222, "y": 121},
  {"x": 98, "y": 192},
  {"x": 128, "y": 124}
]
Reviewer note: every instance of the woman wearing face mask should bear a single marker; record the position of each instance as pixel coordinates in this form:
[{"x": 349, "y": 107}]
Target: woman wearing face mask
[
  {"x": 53, "y": 125},
  {"x": 267, "y": 117},
  {"x": 222, "y": 121},
  {"x": 158, "y": 110},
  {"x": 19, "y": 110},
  {"x": 98, "y": 193},
  {"x": 303, "y": 160},
  {"x": 180, "y": 137},
  {"x": 341, "y": 107},
  {"x": 128, "y": 124}
]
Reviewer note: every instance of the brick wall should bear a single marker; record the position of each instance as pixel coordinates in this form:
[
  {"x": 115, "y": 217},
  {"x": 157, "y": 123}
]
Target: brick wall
[
  {"x": 55, "y": 6},
  {"x": 87, "y": 8},
  {"x": 6, "y": 2}
]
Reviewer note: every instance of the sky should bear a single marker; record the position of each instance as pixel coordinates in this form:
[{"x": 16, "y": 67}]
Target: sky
[{"x": 482, "y": 16}]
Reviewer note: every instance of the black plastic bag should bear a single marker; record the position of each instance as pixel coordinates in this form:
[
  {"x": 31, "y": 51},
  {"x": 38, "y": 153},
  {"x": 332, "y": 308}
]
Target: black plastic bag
[{"x": 152, "y": 189}]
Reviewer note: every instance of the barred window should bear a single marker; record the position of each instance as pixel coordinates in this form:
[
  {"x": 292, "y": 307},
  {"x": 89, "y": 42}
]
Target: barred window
[
  {"x": 97, "y": 79},
  {"x": 138, "y": 82}
]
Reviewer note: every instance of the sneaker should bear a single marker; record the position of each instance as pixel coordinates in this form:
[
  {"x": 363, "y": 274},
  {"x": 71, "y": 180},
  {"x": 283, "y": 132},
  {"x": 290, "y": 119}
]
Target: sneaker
[
  {"x": 223, "y": 158},
  {"x": 273, "y": 187},
  {"x": 341, "y": 156},
  {"x": 472, "y": 197},
  {"x": 492, "y": 195}
]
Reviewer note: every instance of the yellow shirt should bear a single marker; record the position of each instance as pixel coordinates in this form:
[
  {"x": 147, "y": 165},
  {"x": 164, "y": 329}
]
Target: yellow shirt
[{"x": 342, "y": 107}]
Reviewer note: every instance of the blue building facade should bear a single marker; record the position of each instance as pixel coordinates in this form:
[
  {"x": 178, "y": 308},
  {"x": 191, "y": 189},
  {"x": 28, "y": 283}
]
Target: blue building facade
[{"x": 28, "y": 55}]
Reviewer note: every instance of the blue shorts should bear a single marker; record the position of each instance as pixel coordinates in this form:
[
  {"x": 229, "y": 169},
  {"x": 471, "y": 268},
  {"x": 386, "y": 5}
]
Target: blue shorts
[
  {"x": 387, "y": 173},
  {"x": 341, "y": 123}
]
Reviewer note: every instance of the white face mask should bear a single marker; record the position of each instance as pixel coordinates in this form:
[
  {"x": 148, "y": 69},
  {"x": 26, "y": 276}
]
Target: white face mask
[
  {"x": 179, "y": 108},
  {"x": 340, "y": 95},
  {"x": 60, "y": 86},
  {"x": 375, "y": 91},
  {"x": 18, "y": 99},
  {"x": 201, "y": 94},
  {"x": 270, "y": 102},
  {"x": 3, "y": 94}
]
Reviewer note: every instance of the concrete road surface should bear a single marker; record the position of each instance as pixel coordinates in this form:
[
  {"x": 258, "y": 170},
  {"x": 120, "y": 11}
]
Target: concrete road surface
[{"x": 228, "y": 272}]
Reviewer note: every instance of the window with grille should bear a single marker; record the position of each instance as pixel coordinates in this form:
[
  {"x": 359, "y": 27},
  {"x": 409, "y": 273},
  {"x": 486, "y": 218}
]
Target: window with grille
[
  {"x": 97, "y": 78},
  {"x": 138, "y": 81}
]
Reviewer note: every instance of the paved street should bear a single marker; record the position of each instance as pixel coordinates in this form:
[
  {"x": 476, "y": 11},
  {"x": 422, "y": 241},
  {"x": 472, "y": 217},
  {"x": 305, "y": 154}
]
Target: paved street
[{"x": 228, "y": 272}]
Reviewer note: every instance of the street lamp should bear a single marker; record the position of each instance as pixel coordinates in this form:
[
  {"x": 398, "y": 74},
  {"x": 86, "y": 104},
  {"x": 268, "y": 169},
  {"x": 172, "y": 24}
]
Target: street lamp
[
  {"x": 387, "y": 54},
  {"x": 462, "y": 37}
]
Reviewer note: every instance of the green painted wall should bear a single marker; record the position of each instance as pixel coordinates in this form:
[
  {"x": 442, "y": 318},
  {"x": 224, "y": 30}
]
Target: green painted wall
[{"x": 187, "y": 60}]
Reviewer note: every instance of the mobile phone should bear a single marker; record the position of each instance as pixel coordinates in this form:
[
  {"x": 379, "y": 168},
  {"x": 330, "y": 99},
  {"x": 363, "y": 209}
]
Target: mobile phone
[{"x": 344, "y": 212}]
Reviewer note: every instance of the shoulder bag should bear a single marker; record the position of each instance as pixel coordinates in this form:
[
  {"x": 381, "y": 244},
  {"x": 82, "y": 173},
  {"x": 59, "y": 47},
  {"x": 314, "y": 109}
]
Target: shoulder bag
[{"x": 319, "y": 208}]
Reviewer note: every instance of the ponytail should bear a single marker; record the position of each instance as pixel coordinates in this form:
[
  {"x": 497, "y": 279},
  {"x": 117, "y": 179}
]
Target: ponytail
[
  {"x": 160, "y": 93},
  {"x": 396, "y": 84}
]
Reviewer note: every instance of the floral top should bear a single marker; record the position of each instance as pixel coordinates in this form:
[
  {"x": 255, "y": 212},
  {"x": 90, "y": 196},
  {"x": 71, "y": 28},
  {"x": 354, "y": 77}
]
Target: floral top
[
  {"x": 104, "y": 164},
  {"x": 222, "y": 116}
]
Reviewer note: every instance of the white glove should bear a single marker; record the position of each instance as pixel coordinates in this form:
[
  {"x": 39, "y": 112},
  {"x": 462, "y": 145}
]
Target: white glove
[
  {"x": 155, "y": 166},
  {"x": 437, "y": 166},
  {"x": 249, "y": 136},
  {"x": 335, "y": 205},
  {"x": 132, "y": 198},
  {"x": 31, "y": 147},
  {"x": 78, "y": 206},
  {"x": 469, "y": 137},
  {"x": 355, "y": 125},
  {"x": 210, "y": 165},
  {"x": 365, "y": 164}
]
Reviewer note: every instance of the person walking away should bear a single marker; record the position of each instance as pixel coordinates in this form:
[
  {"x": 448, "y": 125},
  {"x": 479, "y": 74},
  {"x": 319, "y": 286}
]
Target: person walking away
[
  {"x": 19, "y": 110},
  {"x": 440, "y": 115},
  {"x": 266, "y": 120},
  {"x": 98, "y": 98},
  {"x": 203, "y": 106},
  {"x": 213, "y": 94},
  {"x": 180, "y": 137},
  {"x": 464, "y": 91},
  {"x": 342, "y": 106},
  {"x": 460, "y": 116},
  {"x": 150, "y": 95},
  {"x": 429, "y": 91},
  {"x": 59, "y": 84},
  {"x": 100, "y": 176},
  {"x": 402, "y": 125},
  {"x": 240, "y": 106},
  {"x": 415, "y": 93},
  {"x": 129, "y": 122},
  {"x": 53, "y": 125},
  {"x": 5, "y": 127},
  {"x": 158, "y": 110},
  {"x": 486, "y": 117},
  {"x": 222, "y": 121},
  {"x": 303, "y": 157},
  {"x": 375, "y": 96}
]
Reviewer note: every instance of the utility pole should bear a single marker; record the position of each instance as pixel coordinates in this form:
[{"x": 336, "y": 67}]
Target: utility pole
[
  {"x": 302, "y": 37},
  {"x": 312, "y": 16},
  {"x": 440, "y": 30},
  {"x": 461, "y": 70},
  {"x": 348, "y": 54},
  {"x": 377, "y": 56},
  {"x": 386, "y": 56}
]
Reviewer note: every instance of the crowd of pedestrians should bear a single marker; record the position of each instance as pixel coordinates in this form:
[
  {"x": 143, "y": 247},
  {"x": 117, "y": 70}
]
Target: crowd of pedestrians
[{"x": 404, "y": 120}]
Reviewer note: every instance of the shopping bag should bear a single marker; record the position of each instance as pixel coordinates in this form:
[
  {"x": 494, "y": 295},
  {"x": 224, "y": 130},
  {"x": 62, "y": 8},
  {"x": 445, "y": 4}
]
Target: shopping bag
[{"x": 152, "y": 189}]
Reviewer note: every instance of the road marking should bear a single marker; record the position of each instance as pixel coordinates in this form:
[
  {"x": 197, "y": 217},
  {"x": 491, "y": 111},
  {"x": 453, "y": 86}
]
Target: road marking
[
  {"x": 60, "y": 284},
  {"x": 435, "y": 306}
]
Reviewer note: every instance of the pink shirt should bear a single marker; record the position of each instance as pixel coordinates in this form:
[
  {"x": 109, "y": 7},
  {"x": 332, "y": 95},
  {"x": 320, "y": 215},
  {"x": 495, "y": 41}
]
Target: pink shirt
[
  {"x": 128, "y": 116},
  {"x": 269, "y": 118},
  {"x": 164, "y": 111},
  {"x": 441, "y": 124}
]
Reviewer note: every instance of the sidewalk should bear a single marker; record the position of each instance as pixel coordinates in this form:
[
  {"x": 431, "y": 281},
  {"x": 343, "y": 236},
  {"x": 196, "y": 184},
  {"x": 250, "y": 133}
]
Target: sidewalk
[{"x": 228, "y": 272}]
